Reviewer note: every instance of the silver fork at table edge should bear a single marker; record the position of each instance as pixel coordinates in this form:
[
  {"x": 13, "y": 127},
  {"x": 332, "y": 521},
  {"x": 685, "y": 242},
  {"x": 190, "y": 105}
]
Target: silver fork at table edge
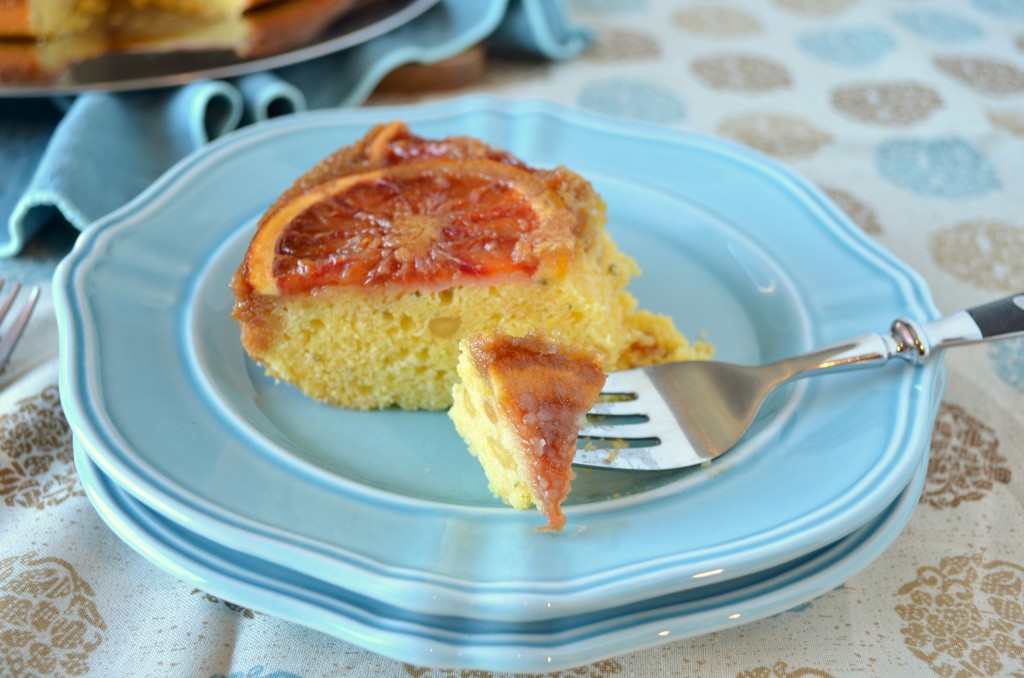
[
  {"x": 682, "y": 414},
  {"x": 12, "y": 334}
]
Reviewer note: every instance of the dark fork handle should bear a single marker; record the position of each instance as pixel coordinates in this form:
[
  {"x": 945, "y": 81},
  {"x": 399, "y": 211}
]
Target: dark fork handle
[{"x": 1002, "y": 318}]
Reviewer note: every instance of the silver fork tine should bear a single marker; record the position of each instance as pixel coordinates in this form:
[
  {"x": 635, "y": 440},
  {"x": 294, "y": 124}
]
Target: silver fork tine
[
  {"x": 626, "y": 381},
  {"x": 614, "y": 407},
  {"x": 648, "y": 414},
  {"x": 14, "y": 332},
  {"x": 660, "y": 425},
  {"x": 632, "y": 458},
  {"x": 5, "y": 306},
  {"x": 638, "y": 433},
  {"x": 630, "y": 383}
]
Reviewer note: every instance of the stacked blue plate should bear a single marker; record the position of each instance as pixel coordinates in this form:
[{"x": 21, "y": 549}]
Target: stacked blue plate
[{"x": 378, "y": 527}]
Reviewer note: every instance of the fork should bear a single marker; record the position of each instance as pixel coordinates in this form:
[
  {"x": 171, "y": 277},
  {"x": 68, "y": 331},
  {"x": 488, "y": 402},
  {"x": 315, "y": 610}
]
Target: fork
[
  {"x": 683, "y": 414},
  {"x": 9, "y": 338}
]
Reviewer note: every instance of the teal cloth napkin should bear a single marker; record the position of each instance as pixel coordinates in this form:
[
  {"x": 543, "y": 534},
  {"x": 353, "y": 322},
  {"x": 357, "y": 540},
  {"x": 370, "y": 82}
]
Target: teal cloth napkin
[{"x": 77, "y": 159}]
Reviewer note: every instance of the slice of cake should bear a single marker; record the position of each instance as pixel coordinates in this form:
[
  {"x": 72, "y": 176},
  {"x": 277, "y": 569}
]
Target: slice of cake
[
  {"x": 41, "y": 39},
  {"x": 49, "y": 19},
  {"x": 518, "y": 406},
  {"x": 363, "y": 277}
]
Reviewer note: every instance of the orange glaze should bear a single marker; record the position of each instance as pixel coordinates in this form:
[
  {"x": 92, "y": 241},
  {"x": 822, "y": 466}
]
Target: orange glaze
[
  {"x": 543, "y": 391},
  {"x": 399, "y": 211}
]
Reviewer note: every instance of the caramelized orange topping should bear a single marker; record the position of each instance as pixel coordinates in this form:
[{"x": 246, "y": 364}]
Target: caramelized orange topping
[
  {"x": 544, "y": 391},
  {"x": 393, "y": 143},
  {"x": 400, "y": 211}
]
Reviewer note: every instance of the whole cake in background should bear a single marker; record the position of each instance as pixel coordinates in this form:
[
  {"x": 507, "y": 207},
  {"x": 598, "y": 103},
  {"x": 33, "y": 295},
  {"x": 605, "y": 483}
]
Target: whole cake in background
[
  {"x": 40, "y": 39},
  {"x": 51, "y": 19},
  {"x": 364, "y": 276}
]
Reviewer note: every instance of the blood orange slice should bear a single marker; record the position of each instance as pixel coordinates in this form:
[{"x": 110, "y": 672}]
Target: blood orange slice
[{"x": 427, "y": 223}]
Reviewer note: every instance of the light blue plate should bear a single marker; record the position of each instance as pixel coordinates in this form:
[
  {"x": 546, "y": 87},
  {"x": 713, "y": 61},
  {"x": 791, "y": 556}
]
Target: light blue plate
[
  {"x": 388, "y": 504},
  {"x": 461, "y": 643}
]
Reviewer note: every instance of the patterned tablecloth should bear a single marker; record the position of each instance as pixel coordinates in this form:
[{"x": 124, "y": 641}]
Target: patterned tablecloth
[{"x": 909, "y": 114}]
